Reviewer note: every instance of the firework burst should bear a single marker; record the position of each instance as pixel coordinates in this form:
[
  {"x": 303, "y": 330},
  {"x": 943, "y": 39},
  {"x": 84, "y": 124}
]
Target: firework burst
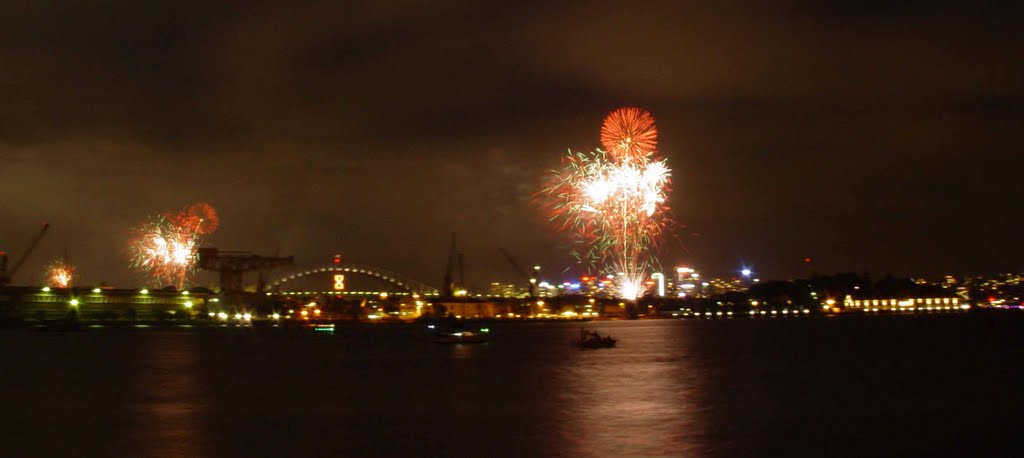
[
  {"x": 629, "y": 131},
  {"x": 614, "y": 203},
  {"x": 200, "y": 218},
  {"x": 59, "y": 274},
  {"x": 164, "y": 251},
  {"x": 164, "y": 248}
]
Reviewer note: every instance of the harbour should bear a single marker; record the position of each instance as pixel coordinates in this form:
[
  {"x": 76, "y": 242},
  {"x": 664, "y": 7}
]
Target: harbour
[{"x": 926, "y": 384}]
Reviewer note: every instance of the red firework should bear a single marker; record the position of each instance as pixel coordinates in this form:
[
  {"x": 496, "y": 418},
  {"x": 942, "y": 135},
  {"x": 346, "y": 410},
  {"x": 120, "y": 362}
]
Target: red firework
[
  {"x": 200, "y": 218},
  {"x": 629, "y": 131},
  {"x": 59, "y": 274}
]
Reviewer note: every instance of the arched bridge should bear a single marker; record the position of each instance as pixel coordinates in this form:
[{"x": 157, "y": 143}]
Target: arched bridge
[{"x": 402, "y": 282}]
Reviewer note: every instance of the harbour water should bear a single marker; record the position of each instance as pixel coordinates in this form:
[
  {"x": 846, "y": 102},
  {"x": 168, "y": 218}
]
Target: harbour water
[{"x": 921, "y": 385}]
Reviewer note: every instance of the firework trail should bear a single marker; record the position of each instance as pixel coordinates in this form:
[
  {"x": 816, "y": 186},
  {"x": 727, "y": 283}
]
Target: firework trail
[
  {"x": 164, "y": 248},
  {"x": 59, "y": 274},
  {"x": 614, "y": 203}
]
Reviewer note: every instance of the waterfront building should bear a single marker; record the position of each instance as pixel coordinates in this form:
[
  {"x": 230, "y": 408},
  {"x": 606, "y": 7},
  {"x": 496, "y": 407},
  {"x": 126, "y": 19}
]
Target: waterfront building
[
  {"x": 103, "y": 304},
  {"x": 915, "y": 304}
]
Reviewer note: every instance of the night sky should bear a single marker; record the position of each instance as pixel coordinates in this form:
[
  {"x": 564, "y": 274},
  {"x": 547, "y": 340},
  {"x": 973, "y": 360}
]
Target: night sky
[{"x": 869, "y": 138}]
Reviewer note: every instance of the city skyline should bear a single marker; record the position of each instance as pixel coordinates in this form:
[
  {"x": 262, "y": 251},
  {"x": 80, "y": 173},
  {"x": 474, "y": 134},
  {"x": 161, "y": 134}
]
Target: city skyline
[{"x": 376, "y": 131}]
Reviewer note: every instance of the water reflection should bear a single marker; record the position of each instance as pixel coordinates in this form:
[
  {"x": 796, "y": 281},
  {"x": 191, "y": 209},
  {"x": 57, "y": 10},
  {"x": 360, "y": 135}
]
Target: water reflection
[
  {"x": 169, "y": 403},
  {"x": 670, "y": 388},
  {"x": 640, "y": 398},
  {"x": 463, "y": 351}
]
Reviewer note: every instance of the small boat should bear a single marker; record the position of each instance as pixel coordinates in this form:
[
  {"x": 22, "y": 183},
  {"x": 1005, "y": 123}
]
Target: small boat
[
  {"x": 454, "y": 332},
  {"x": 453, "y": 337},
  {"x": 594, "y": 340}
]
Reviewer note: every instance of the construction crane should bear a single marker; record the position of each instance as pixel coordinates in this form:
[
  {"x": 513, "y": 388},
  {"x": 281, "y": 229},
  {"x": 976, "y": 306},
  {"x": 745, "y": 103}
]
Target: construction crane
[
  {"x": 532, "y": 279},
  {"x": 455, "y": 261},
  {"x": 5, "y": 275},
  {"x": 232, "y": 264}
]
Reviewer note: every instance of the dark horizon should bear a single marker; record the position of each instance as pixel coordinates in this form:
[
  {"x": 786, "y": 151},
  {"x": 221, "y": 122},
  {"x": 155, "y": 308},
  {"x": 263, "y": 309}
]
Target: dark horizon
[{"x": 880, "y": 138}]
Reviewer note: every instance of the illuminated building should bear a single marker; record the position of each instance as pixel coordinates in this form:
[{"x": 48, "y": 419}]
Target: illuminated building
[
  {"x": 689, "y": 283},
  {"x": 659, "y": 279},
  {"x": 105, "y": 304},
  {"x": 507, "y": 290},
  {"x": 718, "y": 286},
  {"x": 903, "y": 304}
]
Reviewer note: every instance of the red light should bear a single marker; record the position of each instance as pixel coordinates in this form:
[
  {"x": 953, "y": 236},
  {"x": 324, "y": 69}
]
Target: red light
[
  {"x": 337, "y": 259},
  {"x": 807, "y": 259}
]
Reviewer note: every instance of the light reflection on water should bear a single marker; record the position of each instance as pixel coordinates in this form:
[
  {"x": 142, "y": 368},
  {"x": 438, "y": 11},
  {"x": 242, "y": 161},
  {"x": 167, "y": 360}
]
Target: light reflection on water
[
  {"x": 669, "y": 388},
  {"x": 635, "y": 399},
  {"x": 169, "y": 404}
]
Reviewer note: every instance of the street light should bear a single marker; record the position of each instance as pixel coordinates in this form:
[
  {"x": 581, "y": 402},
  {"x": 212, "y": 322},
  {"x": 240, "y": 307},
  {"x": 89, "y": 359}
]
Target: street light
[{"x": 745, "y": 272}]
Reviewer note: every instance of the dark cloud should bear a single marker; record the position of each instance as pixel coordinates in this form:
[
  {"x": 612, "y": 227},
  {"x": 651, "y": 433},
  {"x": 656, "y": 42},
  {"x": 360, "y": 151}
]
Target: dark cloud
[{"x": 872, "y": 137}]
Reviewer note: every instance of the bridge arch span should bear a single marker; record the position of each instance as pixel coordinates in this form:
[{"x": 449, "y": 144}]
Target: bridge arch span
[{"x": 393, "y": 278}]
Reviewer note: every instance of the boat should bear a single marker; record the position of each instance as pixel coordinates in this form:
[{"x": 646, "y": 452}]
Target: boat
[
  {"x": 457, "y": 332},
  {"x": 590, "y": 340},
  {"x": 455, "y": 337}
]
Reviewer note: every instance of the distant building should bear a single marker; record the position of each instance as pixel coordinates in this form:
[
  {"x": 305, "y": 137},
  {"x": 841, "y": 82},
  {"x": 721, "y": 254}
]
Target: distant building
[
  {"x": 688, "y": 283},
  {"x": 902, "y": 304},
  {"x": 507, "y": 290}
]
